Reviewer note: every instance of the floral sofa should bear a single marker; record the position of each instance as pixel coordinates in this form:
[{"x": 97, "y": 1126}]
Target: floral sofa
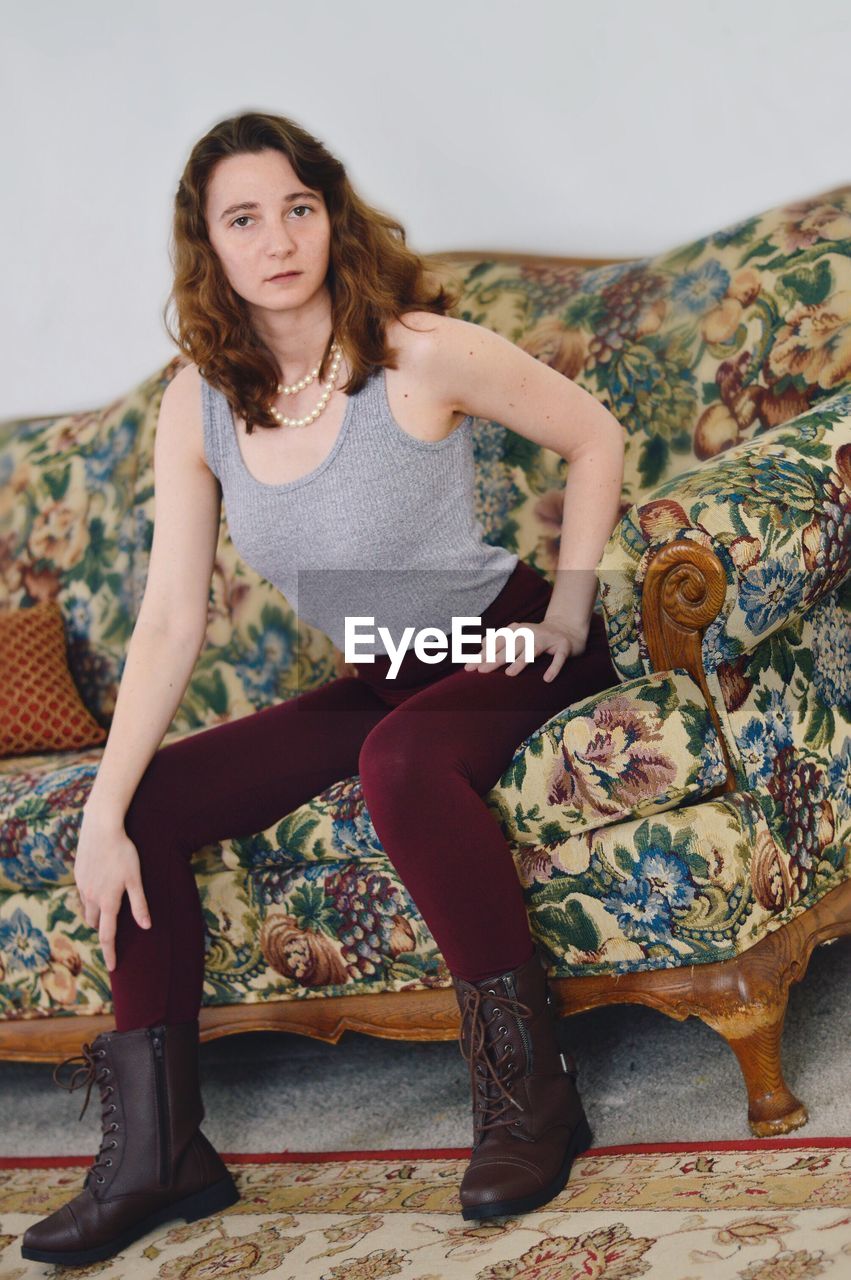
[{"x": 682, "y": 838}]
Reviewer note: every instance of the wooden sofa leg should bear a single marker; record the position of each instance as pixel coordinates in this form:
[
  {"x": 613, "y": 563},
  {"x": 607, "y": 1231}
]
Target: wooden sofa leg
[
  {"x": 754, "y": 1034},
  {"x": 743, "y": 998}
]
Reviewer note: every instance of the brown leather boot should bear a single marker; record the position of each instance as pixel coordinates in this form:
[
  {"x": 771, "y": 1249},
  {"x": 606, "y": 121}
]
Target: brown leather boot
[
  {"x": 154, "y": 1162},
  {"x": 528, "y": 1121}
]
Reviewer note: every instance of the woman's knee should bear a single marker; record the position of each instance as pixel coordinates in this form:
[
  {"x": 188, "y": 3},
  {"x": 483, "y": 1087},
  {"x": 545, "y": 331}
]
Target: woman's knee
[
  {"x": 156, "y": 799},
  {"x": 394, "y": 757}
]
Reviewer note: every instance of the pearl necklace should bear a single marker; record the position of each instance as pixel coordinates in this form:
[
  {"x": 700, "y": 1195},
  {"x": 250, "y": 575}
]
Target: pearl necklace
[{"x": 336, "y": 357}]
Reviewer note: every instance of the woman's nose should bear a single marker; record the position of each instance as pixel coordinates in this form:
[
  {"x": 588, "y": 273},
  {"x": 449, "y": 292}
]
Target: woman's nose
[{"x": 281, "y": 239}]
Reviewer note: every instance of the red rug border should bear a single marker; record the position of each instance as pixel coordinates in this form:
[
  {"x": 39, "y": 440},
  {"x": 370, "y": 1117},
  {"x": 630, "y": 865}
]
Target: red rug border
[{"x": 454, "y": 1153}]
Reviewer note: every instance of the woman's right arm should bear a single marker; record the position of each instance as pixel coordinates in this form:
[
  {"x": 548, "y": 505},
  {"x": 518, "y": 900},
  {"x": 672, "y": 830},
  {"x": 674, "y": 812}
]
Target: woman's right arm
[{"x": 161, "y": 656}]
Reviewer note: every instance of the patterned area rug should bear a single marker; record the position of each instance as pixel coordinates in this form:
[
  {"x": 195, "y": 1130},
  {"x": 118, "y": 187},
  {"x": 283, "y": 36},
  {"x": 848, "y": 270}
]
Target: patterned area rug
[{"x": 755, "y": 1210}]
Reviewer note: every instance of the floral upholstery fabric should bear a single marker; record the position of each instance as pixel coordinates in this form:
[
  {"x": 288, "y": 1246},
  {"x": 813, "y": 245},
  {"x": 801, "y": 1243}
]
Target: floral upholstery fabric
[{"x": 728, "y": 361}]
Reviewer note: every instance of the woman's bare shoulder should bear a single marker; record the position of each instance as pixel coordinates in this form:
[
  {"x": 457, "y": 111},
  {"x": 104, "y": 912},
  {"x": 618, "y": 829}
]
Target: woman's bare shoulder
[
  {"x": 417, "y": 334},
  {"x": 180, "y": 410},
  {"x": 413, "y": 325},
  {"x": 186, "y": 380},
  {"x": 182, "y": 396}
]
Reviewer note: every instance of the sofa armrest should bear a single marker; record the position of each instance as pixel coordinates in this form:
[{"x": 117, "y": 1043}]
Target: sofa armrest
[
  {"x": 773, "y": 513},
  {"x": 629, "y": 752}
]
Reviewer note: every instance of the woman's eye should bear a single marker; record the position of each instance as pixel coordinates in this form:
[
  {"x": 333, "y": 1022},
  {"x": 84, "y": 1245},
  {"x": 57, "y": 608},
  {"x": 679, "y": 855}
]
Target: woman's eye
[{"x": 243, "y": 216}]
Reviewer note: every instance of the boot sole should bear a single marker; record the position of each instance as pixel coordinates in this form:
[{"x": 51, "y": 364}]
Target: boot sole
[
  {"x": 580, "y": 1141},
  {"x": 201, "y": 1203}
]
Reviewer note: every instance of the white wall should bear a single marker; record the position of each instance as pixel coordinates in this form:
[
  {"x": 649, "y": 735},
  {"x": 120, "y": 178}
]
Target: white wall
[{"x": 614, "y": 127}]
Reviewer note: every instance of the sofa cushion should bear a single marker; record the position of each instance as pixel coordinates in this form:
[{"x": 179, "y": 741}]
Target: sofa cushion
[
  {"x": 696, "y": 885},
  {"x": 40, "y": 706},
  {"x": 635, "y": 750},
  {"x": 654, "y": 734}
]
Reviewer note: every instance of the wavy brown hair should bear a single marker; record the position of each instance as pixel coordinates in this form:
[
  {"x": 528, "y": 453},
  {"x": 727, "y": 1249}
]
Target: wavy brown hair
[{"x": 372, "y": 274}]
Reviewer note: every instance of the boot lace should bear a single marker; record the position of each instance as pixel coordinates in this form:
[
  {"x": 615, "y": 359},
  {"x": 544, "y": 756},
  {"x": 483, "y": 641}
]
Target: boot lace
[
  {"x": 491, "y": 1111},
  {"x": 89, "y": 1073}
]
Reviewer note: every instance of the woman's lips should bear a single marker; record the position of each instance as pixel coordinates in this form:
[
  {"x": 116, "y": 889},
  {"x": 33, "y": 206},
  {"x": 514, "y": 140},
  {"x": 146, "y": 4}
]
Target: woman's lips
[{"x": 289, "y": 275}]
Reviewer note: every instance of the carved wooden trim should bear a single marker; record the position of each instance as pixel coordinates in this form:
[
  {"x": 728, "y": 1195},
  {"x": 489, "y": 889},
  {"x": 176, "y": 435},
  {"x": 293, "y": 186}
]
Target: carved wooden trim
[
  {"x": 519, "y": 258},
  {"x": 743, "y": 999},
  {"x": 390, "y": 1015},
  {"x": 724, "y": 988},
  {"x": 683, "y": 592}
]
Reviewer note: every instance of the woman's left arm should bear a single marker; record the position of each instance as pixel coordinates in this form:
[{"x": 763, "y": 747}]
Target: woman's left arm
[{"x": 477, "y": 371}]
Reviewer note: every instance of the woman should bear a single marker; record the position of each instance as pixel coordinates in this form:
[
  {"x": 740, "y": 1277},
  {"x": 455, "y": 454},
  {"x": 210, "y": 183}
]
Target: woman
[{"x": 329, "y": 399}]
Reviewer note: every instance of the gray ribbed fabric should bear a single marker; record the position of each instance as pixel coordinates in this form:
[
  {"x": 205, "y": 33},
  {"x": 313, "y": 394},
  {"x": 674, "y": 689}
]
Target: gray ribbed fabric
[{"x": 384, "y": 527}]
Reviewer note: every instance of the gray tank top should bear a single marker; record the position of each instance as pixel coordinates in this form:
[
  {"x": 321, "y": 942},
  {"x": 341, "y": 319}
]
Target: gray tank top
[{"x": 383, "y": 528}]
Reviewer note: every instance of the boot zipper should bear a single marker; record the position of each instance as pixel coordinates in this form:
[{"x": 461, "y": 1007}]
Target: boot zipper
[
  {"x": 162, "y": 1106},
  {"x": 524, "y": 1032}
]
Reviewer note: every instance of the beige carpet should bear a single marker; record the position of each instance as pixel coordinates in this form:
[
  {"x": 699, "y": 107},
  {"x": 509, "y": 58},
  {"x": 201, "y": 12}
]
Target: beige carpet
[{"x": 754, "y": 1210}]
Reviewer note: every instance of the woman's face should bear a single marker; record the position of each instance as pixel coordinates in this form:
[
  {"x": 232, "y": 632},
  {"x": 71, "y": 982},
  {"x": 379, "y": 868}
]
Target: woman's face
[{"x": 261, "y": 221}]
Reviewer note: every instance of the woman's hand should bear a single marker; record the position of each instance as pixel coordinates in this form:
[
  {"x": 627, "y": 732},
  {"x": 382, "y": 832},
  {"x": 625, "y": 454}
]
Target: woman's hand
[
  {"x": 107, "y": 864},
  {"x": 561, "y": 639}
]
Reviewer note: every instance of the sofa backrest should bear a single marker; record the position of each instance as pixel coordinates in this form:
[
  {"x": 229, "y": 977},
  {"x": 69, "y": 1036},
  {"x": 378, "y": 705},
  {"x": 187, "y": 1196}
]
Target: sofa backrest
[
  {"x": 68, "y": 486},
  {"x": 693, "y": 351}
]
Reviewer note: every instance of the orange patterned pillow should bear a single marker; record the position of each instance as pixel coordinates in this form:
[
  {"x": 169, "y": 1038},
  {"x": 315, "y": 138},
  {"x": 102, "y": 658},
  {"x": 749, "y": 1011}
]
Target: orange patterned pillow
[{"x": 40, "y": 706}]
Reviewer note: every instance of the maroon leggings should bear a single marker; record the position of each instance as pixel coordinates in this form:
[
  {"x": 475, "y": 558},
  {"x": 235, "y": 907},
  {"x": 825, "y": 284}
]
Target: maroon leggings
[{"x": 428, "y": 746}]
